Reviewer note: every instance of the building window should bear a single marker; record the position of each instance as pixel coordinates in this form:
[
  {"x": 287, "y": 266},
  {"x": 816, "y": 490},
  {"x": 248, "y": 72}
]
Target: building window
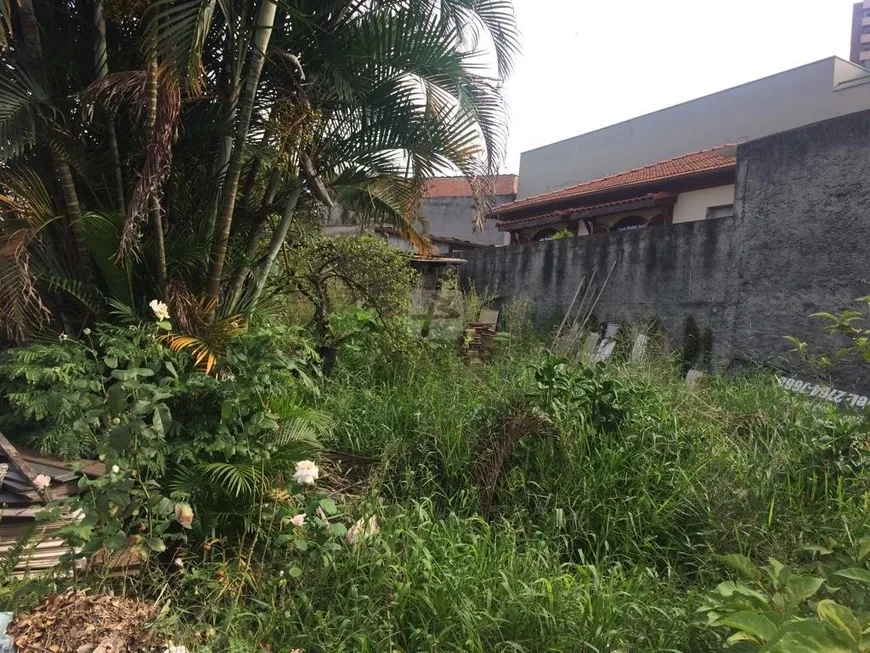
[
  {"x": 631, "y": 223},
  {"x": 867, "y": 13},
  {"x": 544, "y": 234},
  {"x": 723, "y": 211}
]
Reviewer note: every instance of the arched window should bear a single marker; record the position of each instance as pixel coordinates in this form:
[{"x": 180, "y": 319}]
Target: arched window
[
  {"x": 544, "y": 234},
  {"x": 631, "y": 223}
]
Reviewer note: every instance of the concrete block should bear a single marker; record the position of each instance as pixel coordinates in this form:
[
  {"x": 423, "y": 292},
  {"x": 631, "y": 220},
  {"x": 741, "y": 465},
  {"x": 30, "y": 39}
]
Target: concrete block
[
  {"x": 590, "y": 345},
  {"x": 638, "y": 350},
  {"x": 694, "y": 378}
]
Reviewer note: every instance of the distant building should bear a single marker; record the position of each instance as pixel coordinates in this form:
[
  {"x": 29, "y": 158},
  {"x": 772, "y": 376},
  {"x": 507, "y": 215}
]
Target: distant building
[
  {"x": 441, "y": 245},
  {"x": 860, "y": 53},
  {"x": 795, "y": 98},
  {"x": 449, "y": 209},
  {"x": 697, "y": 186}
]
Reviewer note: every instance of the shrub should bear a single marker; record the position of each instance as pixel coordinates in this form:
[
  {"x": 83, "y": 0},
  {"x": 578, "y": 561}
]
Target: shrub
[
  {"x": 332, "y": 273},
  {"x": 167, "y": 433}
]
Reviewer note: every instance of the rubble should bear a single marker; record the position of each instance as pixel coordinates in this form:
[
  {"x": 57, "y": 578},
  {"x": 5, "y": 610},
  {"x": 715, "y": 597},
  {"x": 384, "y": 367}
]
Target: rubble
[{"x": 78, "y": 622}]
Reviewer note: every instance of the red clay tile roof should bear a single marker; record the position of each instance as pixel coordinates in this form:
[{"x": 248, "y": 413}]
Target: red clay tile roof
[
  {"x": 459, "y": 187},
  {"x": 681, "y": 166},
  {"x": 653, "y": 199}
]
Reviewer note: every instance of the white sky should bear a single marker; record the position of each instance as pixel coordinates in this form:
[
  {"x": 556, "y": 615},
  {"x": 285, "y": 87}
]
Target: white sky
[{"x": 587, "y": 64}]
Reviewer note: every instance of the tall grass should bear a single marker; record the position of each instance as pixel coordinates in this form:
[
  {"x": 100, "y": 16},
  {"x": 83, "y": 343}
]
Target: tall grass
[
  {"x": 461, "y": 584},
  {"x": 515, "y": 520},
  {"x": 736, "y": 465}
]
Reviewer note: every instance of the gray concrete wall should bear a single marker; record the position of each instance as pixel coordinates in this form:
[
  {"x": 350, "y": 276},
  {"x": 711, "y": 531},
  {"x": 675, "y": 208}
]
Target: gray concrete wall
[
  {"x": 803, "y": 223},
  {"x": 669, "y": 272},
  {"x": 454, "y": 217},
  {"x": 802, "y": 96},
  {"x": 799, "y": 243}
]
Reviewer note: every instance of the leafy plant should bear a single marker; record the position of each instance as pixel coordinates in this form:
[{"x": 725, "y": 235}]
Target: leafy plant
[
  {"x": 167, "y": 433},
  {"x": 581, "y": 393},
  {"x": 362, "y": 271},
  {"x": 781, "y": 610},
  {"x": 848, "y": 324}
]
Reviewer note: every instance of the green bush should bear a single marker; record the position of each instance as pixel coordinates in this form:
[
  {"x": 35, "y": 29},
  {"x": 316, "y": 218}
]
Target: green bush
[
  {"x": 168, "y": 434},
  {"x": 530, "y": 503}
]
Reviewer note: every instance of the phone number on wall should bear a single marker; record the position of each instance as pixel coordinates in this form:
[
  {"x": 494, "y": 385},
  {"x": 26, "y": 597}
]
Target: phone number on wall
[{"x": 824, "y": 392}]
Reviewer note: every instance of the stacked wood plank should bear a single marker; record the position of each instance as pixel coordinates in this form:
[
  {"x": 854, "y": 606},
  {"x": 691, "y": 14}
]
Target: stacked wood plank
[
  {"x": 22, "y": 499},
  {"x": 480, "y": 339}
]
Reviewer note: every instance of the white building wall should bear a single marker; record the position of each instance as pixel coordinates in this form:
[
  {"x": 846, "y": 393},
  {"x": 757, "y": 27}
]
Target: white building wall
[
  {"x": 693, "y": 205},
  {"x": 801, "y": 96}
]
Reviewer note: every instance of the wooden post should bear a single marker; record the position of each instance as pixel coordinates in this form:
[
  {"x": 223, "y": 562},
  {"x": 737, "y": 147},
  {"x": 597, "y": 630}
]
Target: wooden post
[{"x": 22, "y": 465}]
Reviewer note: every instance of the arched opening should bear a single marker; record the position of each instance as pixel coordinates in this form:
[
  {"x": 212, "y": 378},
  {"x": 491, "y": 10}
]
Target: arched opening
[
  {"x": 544, "y": 234},
  {"x": 630, "y": 223}
]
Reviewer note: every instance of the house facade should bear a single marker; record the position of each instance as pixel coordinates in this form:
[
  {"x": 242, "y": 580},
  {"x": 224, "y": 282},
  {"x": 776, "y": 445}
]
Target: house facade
[
  {"x": 794, "y": 98},
  {"x": 696, "y": 186},
  {"x": 794, "y": 246},
  {"x": 449, "y": 208}
]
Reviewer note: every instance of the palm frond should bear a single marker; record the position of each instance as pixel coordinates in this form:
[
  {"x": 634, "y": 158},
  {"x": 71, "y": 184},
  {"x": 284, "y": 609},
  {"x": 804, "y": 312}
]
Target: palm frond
[
  {"x": 122, "y": 312},
  {"x": 27, "y": 212},
  {"x": 158, "y": 160},
  {"x": 210, "y": 346},
  {"x": 23, "y": 310},
  {"x": 181, "y": 29},
  {"x": 118, "y": 90},
  {"x": 86, "y": 294},
  {"x": 6, "y": 34},
  {"x": 496, "y": 18},
  {"x": 22, "y": 101},
  {"x": 301, "y": 424},
  {"x": 102, "y": 233},
  {"x": 237, "y": 479}
]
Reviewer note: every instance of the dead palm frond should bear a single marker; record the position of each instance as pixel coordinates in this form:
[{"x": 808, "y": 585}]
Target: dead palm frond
[
  {"x": 517, "y": 420},
  {"x": 209, "y": 346},
  {"x": 25, "y": 210}
]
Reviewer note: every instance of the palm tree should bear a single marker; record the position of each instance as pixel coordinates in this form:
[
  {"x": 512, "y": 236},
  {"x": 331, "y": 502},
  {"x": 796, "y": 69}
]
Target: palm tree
[
  {"x": 262, "y": 34},
  {"x": 252, "y": 114}
]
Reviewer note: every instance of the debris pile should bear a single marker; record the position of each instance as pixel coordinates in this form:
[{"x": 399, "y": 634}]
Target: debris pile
[
  {"x": 481, "y": 340},
  {"x": 77, "y": 622},
  {"x": 28, "y": 483}
]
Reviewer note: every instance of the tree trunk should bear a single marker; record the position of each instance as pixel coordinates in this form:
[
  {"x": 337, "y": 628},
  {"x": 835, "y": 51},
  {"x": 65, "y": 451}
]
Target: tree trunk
[
  {"x": 254, "y": 236},
  {"x": 74, "y": 213},
  {"x": 33, "y": 53},
  {"x": 30, "y": 32},
  {"x": 224, "y": 222},
  {"x": 101, "y": 62},
  {"x": 225, "y": 147},
  {"x": 255, "y": 165},
  {"x": 278, "y": 237},
  {"x": 153, "y": 203}
]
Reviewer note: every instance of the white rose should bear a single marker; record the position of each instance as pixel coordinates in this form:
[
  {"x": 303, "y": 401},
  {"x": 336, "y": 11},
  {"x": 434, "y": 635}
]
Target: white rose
[
  {"x": 161, "y": 310},
  {"x": 306, "y": 472}
]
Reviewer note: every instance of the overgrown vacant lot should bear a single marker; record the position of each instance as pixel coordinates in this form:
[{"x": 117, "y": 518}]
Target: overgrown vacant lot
[{"x": 524, "y": 504}]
